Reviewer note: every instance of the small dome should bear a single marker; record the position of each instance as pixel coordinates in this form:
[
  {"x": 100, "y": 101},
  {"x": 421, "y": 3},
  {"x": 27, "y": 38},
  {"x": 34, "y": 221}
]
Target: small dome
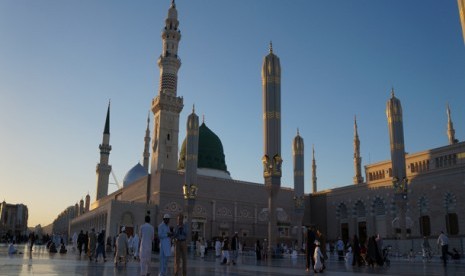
[
  {"x": 210, "y": 155},
  {"x": 134, "y": 174}
]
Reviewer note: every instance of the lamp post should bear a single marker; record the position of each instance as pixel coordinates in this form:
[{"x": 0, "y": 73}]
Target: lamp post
[
  {"x": 299, "y": 206},
  {"x": 190, "y": 193}
]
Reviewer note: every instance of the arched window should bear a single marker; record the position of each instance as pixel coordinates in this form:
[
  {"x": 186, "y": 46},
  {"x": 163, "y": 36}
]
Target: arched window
[
  {"x": 452, "y": 221},
  {"x": 360, "y": 209},
  {"x": 425, "y": 224},
  {"x": 378, "y": 207}
]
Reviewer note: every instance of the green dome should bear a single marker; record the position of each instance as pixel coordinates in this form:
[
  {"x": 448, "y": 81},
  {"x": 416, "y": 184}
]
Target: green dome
[{"x": 211, "y": 154}]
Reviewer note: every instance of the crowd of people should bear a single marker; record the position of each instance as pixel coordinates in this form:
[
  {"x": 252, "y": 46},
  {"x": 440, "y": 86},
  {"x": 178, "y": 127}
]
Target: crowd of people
[{"x": 173, "y": 241}]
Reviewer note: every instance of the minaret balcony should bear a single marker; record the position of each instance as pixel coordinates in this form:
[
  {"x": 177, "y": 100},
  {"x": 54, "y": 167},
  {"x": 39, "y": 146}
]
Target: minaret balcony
[{"x": 168, "y": 103}]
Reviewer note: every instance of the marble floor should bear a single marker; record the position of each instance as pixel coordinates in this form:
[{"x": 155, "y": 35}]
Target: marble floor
[{"x": 40, "y": 262}]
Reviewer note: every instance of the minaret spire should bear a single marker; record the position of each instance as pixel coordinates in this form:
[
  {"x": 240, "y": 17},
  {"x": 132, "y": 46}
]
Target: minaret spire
[
  {"x": 314, "y": 178},
  {"x": 450, "y": 127},
  {"x": 357, "y": 158},
  {"x": 103, "y": 169},
  {"x": 106, "y": 130},
  {"x": 146, "y": 154},
  {"x": 167, "y": 106}
]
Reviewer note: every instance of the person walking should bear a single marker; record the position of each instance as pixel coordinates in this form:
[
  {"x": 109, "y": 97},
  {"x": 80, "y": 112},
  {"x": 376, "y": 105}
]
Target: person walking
[
  {"x": 310, "y": 248},
  {"x": 75, "y": 238},
  {"x": 443, "y": 241},
  {"x": 322, "y": 239},
  {"x": 180, "y": 246},
  {"x": 32, "y": 240},
  {"x": 356, "y": 251},
  {"x": 101, "y": 246},
  {"x": 80, "y": 242},
  {"x": 147, "y": 234},
  {"x": 130, "y": 248},
  {"x": 86, "y": 239},
  {"x": 234, "y": 248},
  {"x": 426, "y": 249},
  {"x": 164, "y": 234},
  {"x": 318, "y": 258},
  {"x": 92, "y": 244},
  {"x": 135, "y": 246},
  {"x": 225, "y": 251},
  {"x": 217, "y": 248},
  {"x": 258, "y": 250},
  {"x": 340, "y": 249},
  {"x": 121, "y": 247}
]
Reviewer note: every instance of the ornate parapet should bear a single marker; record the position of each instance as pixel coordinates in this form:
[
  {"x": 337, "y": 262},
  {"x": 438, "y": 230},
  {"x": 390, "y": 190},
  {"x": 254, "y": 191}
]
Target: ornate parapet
[{"x": 167, "y": 103}]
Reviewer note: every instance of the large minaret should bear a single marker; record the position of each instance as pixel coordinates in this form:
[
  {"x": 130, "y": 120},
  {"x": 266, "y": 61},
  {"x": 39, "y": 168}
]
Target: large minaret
[
  {"x": 190, "y": 174},
  {"x": 399, "y": 175},
  {"x": 357, "y": 158},
  {"x": 271, "y": 82},
  {"x": 167, "y": 105},
  {"x": 314, "y": 178},
  {"x": 146, "y": 154},
  {"x": 299, "y": 203},
  {"x": 450, "y": 128},
  {"x": 103, "y": 169}
]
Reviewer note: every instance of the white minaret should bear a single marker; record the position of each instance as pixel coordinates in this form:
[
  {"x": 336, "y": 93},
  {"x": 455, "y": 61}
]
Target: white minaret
[
  {"x": 103, "y": 169},
  {"x": 146, "y": 154},
  {"x": 357, "y": 158},
  {"x": 167, "y": 106},
  {"x": 450, "y": 128}
]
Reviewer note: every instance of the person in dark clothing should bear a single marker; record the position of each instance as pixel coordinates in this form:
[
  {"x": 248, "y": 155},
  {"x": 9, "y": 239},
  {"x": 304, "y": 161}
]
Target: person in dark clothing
[
  {"x": 310, "y": 248},
  {"x": 372, "y": 256},
  {"x": 258, "y": 250},
  {"x": 86, "y": 244},
  {"x": 32, "y": 239},
  {"x": 234, "y": 248},
  {"x": 80, "y": 241},
  {"x": 356, "y": 251},
  {"x": 101, "y": 246},
  {"x": 52, "y": 248}
]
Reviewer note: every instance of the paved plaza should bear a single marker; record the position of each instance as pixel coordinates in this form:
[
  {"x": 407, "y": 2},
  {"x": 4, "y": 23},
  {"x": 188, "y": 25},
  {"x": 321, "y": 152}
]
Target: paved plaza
[{"x": 40, "y": 262}]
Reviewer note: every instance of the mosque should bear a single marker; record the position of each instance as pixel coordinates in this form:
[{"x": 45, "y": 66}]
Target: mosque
[{"x": 411, "y": 195}]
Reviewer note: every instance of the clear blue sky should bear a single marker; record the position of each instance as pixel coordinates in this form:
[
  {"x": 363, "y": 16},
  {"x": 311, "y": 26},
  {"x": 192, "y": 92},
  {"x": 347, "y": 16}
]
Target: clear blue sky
[{"x": 61, "y": 61}]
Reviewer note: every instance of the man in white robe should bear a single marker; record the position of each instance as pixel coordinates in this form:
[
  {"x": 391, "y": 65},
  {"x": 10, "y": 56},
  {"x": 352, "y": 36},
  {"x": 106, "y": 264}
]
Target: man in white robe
[
  {"x": 147, "y": 234},
  {"x": 164, "y": 234}
]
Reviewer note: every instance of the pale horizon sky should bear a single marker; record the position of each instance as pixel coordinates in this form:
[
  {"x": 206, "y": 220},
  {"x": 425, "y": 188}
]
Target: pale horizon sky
[{"x": 61, "y": 61}]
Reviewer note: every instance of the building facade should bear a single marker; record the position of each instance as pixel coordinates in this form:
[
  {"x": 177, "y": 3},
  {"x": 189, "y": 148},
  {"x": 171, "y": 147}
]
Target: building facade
[
  {"x": 430, "y": 183},
  {"x": 13, "y": 220}
]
